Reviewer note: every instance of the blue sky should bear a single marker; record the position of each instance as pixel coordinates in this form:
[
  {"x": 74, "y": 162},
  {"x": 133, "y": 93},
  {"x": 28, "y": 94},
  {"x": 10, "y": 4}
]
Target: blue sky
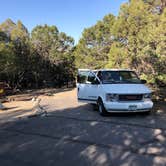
[{"x": 70, "y": 16}]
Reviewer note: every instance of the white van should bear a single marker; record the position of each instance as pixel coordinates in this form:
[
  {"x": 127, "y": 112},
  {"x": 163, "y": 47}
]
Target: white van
[{"x": 113, "y": 90}]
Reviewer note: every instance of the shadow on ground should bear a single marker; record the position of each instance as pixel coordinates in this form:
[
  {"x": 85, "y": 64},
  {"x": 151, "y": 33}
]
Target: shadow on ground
[{"x": 80, "y": 136}]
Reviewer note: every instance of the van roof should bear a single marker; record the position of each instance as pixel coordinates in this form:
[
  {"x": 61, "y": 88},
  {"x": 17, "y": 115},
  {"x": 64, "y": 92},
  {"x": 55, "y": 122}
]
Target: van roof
[
  {"x": 84, "y": 69},
  {"x": 105, "y": 70},
  {"x": 113, "y": 70}
]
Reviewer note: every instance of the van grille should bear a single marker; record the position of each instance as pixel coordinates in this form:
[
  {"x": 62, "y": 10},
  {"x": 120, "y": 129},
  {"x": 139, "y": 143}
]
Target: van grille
[{"x": 130, "y": 97}]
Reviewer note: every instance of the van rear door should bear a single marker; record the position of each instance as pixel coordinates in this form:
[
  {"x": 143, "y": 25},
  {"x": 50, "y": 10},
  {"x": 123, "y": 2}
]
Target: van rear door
[
  {"x": 92, "y": 88},
  {"x": 81, "y": 83}
]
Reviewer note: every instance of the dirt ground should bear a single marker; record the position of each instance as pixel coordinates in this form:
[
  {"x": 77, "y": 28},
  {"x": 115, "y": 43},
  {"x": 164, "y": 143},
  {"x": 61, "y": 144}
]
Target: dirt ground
[
  {"x": 73, "y": 133},
  {"x": 21, "y": 106}
]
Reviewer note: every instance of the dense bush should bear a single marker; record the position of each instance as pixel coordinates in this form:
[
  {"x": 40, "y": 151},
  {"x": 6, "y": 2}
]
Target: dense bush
[
  {"x": 135, "y": 39},
  {"x": 42, "y": 59}
]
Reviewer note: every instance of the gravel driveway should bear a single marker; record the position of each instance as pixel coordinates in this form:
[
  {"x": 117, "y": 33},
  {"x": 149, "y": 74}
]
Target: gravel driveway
[{"x": 75, "y": 134}]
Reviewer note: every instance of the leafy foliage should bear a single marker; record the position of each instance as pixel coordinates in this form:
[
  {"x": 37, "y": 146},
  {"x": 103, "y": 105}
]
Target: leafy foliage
[
  {"x": 135, "y": 39},
  {"x": 92, "y": 49},
  {"x": 44, "y": 59}
]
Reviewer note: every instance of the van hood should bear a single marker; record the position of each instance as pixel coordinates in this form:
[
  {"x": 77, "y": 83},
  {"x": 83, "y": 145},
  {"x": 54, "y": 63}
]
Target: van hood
[{"x": 126, "y": 88}]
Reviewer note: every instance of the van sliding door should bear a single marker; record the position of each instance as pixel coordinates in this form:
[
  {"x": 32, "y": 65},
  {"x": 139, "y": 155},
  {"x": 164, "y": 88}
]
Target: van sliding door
[{"x": 82, "y": 83}]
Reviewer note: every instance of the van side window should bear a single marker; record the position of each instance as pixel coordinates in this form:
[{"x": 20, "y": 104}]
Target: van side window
[
  {"x": 82, "y": 76},
  {"x": 91, "y": 77}
]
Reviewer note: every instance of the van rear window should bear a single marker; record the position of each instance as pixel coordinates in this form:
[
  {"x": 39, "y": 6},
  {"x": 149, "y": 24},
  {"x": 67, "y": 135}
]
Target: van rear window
[{"x": 82, "y": 76}]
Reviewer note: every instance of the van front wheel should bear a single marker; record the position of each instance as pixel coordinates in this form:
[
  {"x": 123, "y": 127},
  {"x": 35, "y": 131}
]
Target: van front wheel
[{"x": 101, "y": 108}]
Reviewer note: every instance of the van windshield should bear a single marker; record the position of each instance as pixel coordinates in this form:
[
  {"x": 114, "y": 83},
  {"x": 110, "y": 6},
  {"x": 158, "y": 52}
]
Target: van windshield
[{"x": 127, "y": 77}]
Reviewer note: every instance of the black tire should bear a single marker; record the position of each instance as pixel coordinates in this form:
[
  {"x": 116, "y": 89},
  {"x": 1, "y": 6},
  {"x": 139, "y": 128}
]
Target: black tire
[
  {"x": 101, "y": 108},
  {"x": 95, "y": 107}
]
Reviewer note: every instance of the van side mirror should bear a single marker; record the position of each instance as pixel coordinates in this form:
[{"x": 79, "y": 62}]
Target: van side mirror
[{"x": 143, "y": 81}]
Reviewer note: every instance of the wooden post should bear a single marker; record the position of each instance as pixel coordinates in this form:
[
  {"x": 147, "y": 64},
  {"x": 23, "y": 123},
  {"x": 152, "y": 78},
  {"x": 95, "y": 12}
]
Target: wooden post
[{"x": 2, "y": 92}]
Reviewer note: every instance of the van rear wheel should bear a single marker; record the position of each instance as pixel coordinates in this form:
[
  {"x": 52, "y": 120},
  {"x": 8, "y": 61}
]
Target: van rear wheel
[{"x": 101, "y": 108}]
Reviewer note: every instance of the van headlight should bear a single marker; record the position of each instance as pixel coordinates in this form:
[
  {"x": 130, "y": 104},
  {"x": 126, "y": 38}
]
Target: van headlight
[
  {"x": 147, "y": 96},
  {"x": 111, "y": 97}
]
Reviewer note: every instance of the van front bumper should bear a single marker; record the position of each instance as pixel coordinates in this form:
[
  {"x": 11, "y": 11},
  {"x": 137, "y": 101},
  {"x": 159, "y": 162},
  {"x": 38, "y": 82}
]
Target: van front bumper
[{"x": 141, "y": 106}]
